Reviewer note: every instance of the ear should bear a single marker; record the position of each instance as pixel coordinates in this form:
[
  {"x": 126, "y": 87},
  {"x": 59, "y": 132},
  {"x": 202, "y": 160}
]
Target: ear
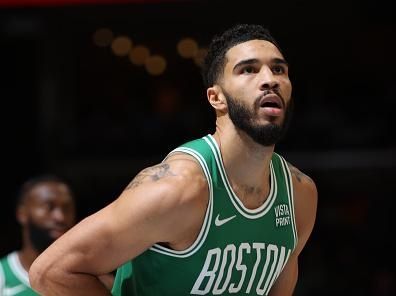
[
  {"x": 216, "y": 98},
  {"x": 21, "y": 214}
]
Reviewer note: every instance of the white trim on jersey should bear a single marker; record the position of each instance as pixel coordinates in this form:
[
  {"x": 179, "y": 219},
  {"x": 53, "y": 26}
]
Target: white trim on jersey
[
  {"x": 290, "y": 189},
  {"x": 248, "y": 213},
  {"x": 2, "y": 280},
  {"x": 208, "y": 216},
  {"x": 17, "y": 268}
]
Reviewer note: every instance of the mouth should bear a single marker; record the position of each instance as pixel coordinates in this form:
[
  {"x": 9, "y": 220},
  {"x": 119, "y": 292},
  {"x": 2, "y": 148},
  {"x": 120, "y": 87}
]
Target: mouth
[
  {"x": 272, "y": 101},
  {"x": 271, "y": 104}
]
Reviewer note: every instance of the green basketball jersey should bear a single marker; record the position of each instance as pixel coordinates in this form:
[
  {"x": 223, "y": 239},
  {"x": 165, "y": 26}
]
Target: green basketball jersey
[
  {"x": 238, "y": 250},
  {"x": 14, "y": 278}
]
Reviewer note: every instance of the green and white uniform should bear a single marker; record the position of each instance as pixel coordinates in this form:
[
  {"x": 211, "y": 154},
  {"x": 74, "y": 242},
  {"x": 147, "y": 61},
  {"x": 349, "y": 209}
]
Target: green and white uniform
[
  {"x": 238, "y": 251},
  {"x": 14, "y": 278}
]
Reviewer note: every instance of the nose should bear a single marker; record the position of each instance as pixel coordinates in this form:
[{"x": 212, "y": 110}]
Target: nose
[
  {"x": 268, "y": 80},
  {"x": 58, "y": 215}
]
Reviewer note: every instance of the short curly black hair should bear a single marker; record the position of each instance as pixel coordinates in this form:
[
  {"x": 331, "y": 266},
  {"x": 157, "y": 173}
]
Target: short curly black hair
[
  {"x": 31, "y": 183},
  {"x": 214, "y": 62}
]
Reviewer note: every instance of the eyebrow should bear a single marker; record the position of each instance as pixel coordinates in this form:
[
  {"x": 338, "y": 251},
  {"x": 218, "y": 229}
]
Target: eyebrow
[
  {"x": 280, "y": 61},
  {"x": 277, "y": 61}
]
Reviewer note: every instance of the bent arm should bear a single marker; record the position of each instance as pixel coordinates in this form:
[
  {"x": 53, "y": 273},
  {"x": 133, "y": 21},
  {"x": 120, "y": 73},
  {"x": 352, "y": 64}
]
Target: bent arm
[
  {"x": 305, "y": 203},
  {"x": 67, "y": 265},
  {"x": 145, "y": 213}
]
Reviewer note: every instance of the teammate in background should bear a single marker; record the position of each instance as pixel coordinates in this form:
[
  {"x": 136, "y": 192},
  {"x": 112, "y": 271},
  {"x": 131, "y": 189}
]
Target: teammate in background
[
  {"x": 221, "y": 215},
  {"x": 45, "y": 210}
]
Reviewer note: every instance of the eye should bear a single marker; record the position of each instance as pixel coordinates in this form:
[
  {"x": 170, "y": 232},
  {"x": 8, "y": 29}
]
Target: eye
[
  {"x": 44, "y": 207},
  {"x": 248, "y": 70},
  {"x": 49, "y": 206},
  {"x": 68, "y": 208},
  {"x": 278, "y": 69}
]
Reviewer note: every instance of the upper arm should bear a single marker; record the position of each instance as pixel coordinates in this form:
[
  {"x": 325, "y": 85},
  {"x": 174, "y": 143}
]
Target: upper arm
[
  {"x": 144, "y": 214},
  {"x": 305, "y": 204}
]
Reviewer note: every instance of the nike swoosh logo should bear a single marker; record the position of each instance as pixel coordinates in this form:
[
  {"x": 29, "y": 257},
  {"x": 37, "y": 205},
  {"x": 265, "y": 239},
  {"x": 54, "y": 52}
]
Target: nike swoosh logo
[
  {"x": 219, "y": 222},
  {"x": 13, "y": 290}
]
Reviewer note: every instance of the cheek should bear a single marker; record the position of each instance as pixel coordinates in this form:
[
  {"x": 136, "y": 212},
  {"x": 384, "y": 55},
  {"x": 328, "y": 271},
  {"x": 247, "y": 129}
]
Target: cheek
[
  {"x": 71, "y": 219},
  {"x": 69, "y": 216},
  {"x": 38, "y": 220},
  {"x": 286, "y": 89},
  {"x": 39, "y": 213}
]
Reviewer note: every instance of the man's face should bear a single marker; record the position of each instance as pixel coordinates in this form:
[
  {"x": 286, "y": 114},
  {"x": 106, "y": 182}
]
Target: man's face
[
  {"x": 257, "y": 89},
  {"x": 50, "y": 212}
]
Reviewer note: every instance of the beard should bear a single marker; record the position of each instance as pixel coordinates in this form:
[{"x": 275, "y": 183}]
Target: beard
[
  {"x": 244, "y": 119},
  {"x": 39, "y": 236}
]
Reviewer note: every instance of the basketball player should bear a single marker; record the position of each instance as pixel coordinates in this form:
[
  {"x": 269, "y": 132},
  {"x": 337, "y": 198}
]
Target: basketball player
[
  {"x": 45, "y": 210},
  {"x": 221, "y": 215}
]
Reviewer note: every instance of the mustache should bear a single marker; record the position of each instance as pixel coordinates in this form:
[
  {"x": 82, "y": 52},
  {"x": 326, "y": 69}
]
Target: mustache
[{"x": 267, "y": 92}]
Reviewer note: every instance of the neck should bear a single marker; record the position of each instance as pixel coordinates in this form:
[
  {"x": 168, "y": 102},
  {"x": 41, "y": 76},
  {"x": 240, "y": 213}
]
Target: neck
[
  {"x": 27, "y": 254},
  {"x": 247, "y": 164}
]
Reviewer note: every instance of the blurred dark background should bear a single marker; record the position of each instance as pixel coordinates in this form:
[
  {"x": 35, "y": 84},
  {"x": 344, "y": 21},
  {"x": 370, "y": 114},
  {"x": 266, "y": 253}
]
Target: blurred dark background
[{"x": 77, "y": 102}]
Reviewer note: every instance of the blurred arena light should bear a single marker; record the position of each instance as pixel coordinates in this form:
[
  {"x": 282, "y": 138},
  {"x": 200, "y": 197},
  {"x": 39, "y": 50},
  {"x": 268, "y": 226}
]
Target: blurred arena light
[
  {"x": 103, "y": 37},
  {"x": 187, "y": 48},
  {"x": 200, "y": 56},
  {"x": 155, "y": 65},
  {"x": 121, "y": 45},
  {"x": 139, "y": 54}
]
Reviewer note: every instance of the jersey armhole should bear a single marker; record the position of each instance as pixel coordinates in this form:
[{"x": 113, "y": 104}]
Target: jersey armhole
[{"x": 196, "y": 245}]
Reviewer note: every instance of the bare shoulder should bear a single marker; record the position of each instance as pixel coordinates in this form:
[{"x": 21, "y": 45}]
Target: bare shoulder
[
  {"x": 299, "y": 176},
  {"x": 169, "y": 192},
  {"x": 305, "y": 194},
  {"x": 302, "y": 183},
  {"x": 179, "y": 173},
  {"x": 305, "y": 202}
]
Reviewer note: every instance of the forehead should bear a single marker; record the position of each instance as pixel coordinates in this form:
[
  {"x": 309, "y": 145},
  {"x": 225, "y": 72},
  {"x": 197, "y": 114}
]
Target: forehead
[
  {"x": 253, "y": 49},
  {"x": 50, "y": 192}
]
